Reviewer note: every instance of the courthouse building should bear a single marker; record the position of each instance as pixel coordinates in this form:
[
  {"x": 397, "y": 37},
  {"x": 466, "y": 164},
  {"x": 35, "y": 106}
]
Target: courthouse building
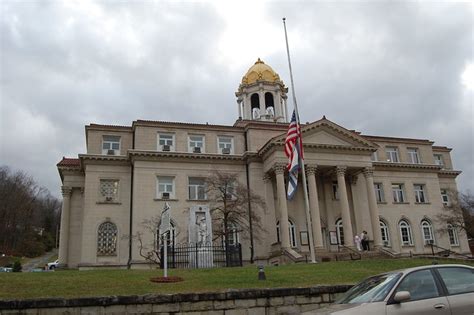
[{"x": 391, "y": 187}]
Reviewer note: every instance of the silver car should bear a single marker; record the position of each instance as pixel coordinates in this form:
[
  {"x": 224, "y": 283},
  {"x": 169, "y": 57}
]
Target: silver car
[{"x": 433, "y": 290}]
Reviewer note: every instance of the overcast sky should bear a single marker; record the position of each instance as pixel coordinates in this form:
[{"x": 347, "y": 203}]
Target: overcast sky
[{"x": 401, "y": 69}]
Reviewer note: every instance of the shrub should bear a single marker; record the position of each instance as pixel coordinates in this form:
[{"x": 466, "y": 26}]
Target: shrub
[{"x": 17, "y": 266}]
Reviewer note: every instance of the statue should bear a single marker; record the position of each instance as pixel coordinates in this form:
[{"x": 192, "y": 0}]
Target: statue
[
  {"x": 202, "y": 231},
  {"x": 256, "y": 113}
]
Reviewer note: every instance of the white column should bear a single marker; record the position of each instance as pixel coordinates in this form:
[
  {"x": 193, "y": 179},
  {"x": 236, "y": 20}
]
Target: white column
[
  {"x": 373, "y": 208},
  {"x": 314, "y": 205},
  {"x": 261, "y": 99},
  {"x": 64, "y": 231},
  {"x": 344, "y": 201},
  {"x": 284, "y": 227},
  {"x": 239, "y": 103}
]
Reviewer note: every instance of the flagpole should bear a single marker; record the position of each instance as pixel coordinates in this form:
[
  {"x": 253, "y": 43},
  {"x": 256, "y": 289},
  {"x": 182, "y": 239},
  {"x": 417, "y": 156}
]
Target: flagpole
[{"x": 305, "y": 188}]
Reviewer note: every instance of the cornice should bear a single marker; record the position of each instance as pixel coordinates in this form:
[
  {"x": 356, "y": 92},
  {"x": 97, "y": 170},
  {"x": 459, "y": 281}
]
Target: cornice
[
  {"x": 157, "y": 155},
  {"x": 207, "y": 126},
  {"x": 397, "y": 140},
  {"x": 309, "y": 147},
  {"x": 449, "y": 173},
  {"x": 115, "y": 159},
  {"x": 406, "y": 166}
]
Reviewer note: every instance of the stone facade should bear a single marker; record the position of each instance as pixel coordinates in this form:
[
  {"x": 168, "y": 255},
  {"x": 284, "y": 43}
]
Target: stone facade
[
  {"x": 236, "y": 302},
  {"x": 356, "y": 182}
]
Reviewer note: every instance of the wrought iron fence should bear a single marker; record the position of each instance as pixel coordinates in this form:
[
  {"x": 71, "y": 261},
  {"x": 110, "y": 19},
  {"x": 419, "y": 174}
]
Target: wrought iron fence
[{"x": 189, "y": 256}]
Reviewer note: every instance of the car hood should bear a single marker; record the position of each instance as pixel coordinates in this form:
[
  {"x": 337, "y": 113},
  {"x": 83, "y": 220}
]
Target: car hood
[{"x": 375, "y": 308}]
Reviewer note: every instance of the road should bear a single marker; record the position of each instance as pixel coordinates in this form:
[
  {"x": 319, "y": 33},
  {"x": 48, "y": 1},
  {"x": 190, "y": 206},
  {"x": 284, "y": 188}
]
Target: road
[{"x": 39, "y": 261}]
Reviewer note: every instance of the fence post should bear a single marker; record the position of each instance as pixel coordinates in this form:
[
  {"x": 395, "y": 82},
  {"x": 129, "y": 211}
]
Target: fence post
[
  {"x": 197, "y": 256},
  {"x": 240, "y": 254}
]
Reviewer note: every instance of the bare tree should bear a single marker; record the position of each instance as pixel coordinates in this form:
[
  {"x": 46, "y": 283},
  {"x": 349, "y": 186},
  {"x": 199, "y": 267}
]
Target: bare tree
[
  {"x": 229, "y": 206},
  {"x": 149, "y": 249},
  {"x": 459, "y": 213},
  {"x": 28, "y": 214}
]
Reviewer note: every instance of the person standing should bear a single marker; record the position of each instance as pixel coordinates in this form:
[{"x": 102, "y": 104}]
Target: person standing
[
  {"x": 364, "y": 241},
  {"x": 357, "y": 242}
]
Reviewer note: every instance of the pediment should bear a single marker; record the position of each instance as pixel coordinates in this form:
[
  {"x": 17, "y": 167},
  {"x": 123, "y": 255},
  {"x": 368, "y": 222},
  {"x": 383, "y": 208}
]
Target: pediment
[{"x": 325, "y": 132}]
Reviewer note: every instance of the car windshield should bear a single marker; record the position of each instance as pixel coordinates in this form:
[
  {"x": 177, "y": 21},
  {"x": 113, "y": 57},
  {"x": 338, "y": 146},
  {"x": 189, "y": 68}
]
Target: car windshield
[{"x": 373, "y": 289}]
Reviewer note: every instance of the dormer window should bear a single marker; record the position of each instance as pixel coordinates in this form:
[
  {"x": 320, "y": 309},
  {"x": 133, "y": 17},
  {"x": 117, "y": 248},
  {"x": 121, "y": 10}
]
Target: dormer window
[
  {"x": 111, "y": 145},
  {"x": 196, "y": 144},
  {"x": 225, "y": 145},
  {"x": 166, "y": 142}
]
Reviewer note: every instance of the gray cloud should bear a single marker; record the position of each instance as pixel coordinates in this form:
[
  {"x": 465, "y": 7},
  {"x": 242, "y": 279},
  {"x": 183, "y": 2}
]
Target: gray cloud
[{"x": 384, "y": 68}]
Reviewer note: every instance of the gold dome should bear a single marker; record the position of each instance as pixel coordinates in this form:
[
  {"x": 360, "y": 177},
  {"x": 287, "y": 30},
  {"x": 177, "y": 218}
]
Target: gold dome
[{"x": 260, "y": 72}]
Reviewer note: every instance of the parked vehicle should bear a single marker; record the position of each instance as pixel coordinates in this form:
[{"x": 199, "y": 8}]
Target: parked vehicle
[
  {"x": 6, "y": 269},
  {"x": 438, "y": 289},
  {"x": 53, "y": 265}
]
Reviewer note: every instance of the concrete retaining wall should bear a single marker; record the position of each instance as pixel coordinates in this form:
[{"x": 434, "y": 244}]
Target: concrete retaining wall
[{"x": 233, "y": 302}]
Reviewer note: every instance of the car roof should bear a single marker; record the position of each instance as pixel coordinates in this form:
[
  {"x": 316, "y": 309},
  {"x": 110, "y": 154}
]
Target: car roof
[{"x": 408, "y": 270}]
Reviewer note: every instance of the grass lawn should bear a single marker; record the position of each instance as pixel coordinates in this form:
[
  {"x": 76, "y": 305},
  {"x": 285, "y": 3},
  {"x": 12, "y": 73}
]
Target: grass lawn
[{"x": 130, "y": 282}]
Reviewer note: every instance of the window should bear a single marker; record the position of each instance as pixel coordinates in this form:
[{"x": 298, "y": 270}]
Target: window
[
  {"x": 340, "y": 232},
  {"x": 109, "y": 190},
  {"x": 335, "y": 191},
  {"x": 232, "y": 235},
  {"x": 453, "y": 235},
  {"x": 427, "y": 232},
  {"x": 420, "y": 194},
  {"x": 445, "y": 197},
  {"x": 165, "y": 185},
  {"x": 291, "y": 230},
  {"x": 438, "y": 158},
  {"x": 196, "y": 144},
  {"x": 398, "y": 193},
  {"x": 197, "y": 189},
  {"x": 405, "y": 233},
  {"x": 420, "y": 284},
  {"x": 107, "y": 239},
  {"x": 166, "y": 142},
  {"x": 457, "y": 280},
  {"x": 170, "y": 237},
  {"x": 225, "y": 145},
  {"x": 413, "y": 156},
  {"x": 379, "y": 192},
  {"x": 392, "y": 154},
  {"x": 374, "y": 157},
  {"x": 385, "y": 234},
  {"x": 111, "y": 145}
]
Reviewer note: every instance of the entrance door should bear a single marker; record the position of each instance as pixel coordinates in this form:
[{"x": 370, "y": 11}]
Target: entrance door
[{"x": 340, "y": 232}]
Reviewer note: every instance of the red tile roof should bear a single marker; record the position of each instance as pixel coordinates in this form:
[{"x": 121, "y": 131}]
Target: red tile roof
[{"x": 69, "y": 162}]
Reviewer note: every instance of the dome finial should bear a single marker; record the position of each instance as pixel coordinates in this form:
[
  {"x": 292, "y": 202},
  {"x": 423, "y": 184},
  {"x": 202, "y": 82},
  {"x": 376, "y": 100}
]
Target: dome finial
[{"x": 259, "y": 61}]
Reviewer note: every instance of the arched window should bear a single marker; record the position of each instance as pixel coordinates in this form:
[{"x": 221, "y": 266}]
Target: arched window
[
  {"x": 107, "y": 239},
  {"x": 340, "y": 232},
  {"x": 292, "y": 230},
  {"x": 170, "y": 237},
  {"x": 385, "y": 234},
  {"x": 254, "y": 101},
  {"x": 427, "y": 232},
  {"x": 269, "y": 100},
  {"x": 453, "y": 235},
  {"x": 405, "y": 233}
]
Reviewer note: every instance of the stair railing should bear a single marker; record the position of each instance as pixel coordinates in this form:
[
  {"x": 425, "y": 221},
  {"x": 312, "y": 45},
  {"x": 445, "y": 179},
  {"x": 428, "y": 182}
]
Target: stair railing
[
  {"x": 353, "y": 253},
  {"x": 445, "y": 251}
]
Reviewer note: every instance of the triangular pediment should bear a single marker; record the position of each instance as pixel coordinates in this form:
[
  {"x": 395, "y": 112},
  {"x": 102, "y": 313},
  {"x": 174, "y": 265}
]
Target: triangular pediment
[{"x": 325, "y": 132}]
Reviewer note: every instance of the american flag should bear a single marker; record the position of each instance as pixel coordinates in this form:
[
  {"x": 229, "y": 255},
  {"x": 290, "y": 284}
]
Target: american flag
[{"x": 293, "y": 150}]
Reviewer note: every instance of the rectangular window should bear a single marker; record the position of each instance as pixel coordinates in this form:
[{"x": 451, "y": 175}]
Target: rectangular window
[
  {"x": 392, "y": 154},
  {"x": 225, "y": 145},
  {"x": 197, "y": 188},
  {"x": 166, "y": 142},
  {"x": 445, "y": 197},
  {"x": 196, "y": 144},
  {"x": 420, "y": 193},
  {"x": 379, "y": 192},
  {"x": 111, "y": 145},
  {"x": 165, "y": 187},
  {"x": 109, "y": 190},
  {"x": 374, "y": 157},
  {"x": 398, "y": 193},
  {"x": 413, "y": 156},
  {"x": 438, "y": 158},
  {"x": 335, "y": 191}
]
